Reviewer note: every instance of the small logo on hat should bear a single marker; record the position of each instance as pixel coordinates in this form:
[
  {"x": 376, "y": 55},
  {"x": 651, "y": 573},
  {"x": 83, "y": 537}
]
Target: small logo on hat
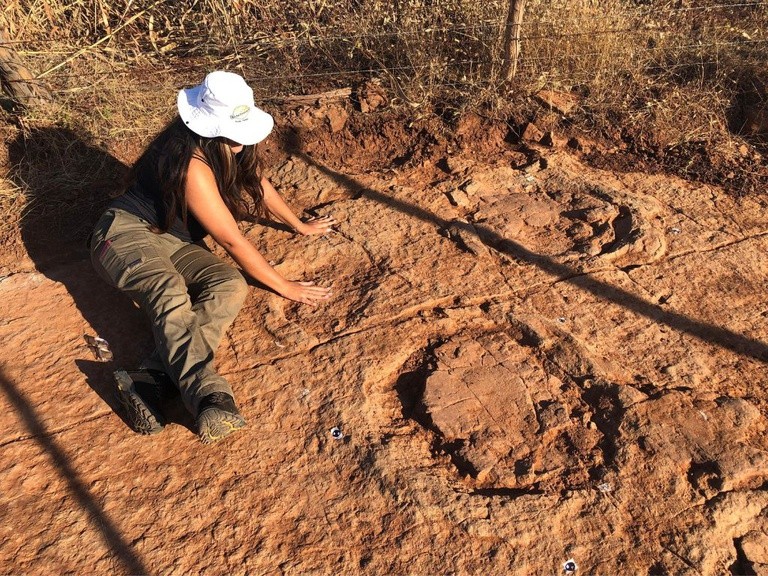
[{"x": 240, "y": 113}]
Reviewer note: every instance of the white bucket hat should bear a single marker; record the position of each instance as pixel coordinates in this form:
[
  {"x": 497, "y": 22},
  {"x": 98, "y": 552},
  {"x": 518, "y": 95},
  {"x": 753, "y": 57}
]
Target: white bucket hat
[{"x": 223, "y": 106}]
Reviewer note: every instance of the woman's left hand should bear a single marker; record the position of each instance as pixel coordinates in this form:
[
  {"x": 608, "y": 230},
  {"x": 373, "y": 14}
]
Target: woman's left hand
[{"x": 318, "y": 225}]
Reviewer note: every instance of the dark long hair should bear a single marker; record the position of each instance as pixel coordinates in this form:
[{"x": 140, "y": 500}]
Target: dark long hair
[{"x": 166, "y": 161}]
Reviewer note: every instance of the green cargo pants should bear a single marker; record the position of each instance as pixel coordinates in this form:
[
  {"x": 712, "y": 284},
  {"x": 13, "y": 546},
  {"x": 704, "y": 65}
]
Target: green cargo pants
[{"x": 190, "y": 296}]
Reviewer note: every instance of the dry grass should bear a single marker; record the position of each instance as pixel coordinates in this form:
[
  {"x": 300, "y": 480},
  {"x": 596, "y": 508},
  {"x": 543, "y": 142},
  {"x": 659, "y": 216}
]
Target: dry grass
[
  {"x": 618, "y": 54},
  {"x": 11, "y": 205}
]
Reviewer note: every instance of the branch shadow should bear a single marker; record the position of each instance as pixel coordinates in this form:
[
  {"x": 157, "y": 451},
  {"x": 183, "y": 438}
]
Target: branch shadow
[
  {"x": 715, "y": 335},
  {"x": 109, "y": 531}
]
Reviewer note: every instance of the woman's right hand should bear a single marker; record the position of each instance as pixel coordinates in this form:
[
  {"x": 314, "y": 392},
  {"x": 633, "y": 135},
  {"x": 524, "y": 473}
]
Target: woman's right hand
[
  {"x": 206, "y": 204},
  {"x": 305, "y": 292}
]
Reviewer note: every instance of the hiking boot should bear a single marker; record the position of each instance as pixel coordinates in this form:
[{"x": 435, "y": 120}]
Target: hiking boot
[
  {"x": 141, "y": 393},
  {"x": 217, "y": 417}
]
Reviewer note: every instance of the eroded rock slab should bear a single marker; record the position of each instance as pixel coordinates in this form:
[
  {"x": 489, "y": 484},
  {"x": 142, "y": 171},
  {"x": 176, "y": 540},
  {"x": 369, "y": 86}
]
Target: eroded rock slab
[
  {"x": 528, "y": 365},
  {"x": 504, "y": 420}
]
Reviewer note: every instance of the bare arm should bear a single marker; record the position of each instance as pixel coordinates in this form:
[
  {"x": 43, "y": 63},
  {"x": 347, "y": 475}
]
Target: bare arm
[
  {"x": 206, "y": 205},
  {"x": 280, "y": 210}
]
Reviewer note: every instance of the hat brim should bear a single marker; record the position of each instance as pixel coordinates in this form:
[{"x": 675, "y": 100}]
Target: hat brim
[{"x": 253, "y": 130}]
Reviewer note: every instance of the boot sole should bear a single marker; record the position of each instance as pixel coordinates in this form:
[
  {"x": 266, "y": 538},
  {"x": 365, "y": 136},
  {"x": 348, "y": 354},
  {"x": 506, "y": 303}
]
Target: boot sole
[
  {"x": 140, "y": 415},
  {"x": 214, "y": 424}
]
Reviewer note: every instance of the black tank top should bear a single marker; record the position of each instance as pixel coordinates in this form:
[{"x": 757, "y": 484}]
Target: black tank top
[{"x": 144, "y": 199}]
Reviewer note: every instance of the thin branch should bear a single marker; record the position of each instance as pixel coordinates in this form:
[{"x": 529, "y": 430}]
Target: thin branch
[{"x": 101, "y": 41}]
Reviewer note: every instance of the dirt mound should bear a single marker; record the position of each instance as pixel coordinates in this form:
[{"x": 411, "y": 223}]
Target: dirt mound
[{"x": 530, "y": 360}]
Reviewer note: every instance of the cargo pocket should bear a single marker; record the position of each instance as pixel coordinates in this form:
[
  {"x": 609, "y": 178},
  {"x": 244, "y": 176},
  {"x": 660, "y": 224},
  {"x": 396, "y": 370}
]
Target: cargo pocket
[{"x": 117, "y": 254}]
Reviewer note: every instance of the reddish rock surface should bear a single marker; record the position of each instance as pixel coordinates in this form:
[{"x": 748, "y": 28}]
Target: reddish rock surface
[{"x": 554, "y": 363}]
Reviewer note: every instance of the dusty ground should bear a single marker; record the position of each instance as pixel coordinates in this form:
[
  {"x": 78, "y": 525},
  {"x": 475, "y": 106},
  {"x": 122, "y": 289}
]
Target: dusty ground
[{"x": 531, "y": 361}]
